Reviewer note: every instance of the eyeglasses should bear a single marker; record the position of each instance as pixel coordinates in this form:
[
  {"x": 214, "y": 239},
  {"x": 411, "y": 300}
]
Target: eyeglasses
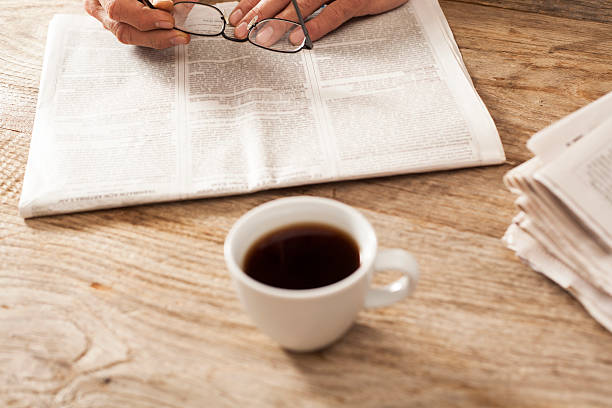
[{"x": 274, "y": 34}]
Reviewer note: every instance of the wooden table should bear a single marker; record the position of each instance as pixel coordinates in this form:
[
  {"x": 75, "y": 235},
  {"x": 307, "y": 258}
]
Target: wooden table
[{"x": 133, "y": 307}]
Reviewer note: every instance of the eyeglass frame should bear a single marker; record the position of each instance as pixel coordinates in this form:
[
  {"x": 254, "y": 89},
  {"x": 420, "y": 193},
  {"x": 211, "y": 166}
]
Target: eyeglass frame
[{"x": 306, "y": 44}]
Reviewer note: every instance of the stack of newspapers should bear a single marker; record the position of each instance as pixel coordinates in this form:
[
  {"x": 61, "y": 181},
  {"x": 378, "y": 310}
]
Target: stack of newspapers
[{"x": 564, "y": 227}]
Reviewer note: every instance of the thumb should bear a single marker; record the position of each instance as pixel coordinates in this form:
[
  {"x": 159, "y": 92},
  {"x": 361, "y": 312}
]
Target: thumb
[{"x": 331, "y": 17}]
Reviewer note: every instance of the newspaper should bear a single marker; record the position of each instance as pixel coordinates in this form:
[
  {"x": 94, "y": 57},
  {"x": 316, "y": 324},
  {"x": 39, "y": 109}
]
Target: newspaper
[
  {"x": 564, "y": 229},
  {"x": 119, "y": 125}
]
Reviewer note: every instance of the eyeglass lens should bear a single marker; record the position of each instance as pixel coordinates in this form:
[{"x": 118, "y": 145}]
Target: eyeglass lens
[
  {"x": 197, "y": 18},
  {"x": 279, "y": 35}
]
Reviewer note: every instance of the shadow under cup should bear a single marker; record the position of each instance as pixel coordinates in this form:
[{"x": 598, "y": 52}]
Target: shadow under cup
[{"x": 307, "y": 319}]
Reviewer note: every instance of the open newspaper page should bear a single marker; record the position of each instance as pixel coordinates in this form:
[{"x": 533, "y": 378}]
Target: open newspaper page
[
  {"x": 118, "y": 125},
  {"x": 105, "y": 133},
  {"x": 396, "y": 98},
  {"x": 382, "y": 95},
  {"x": 251, "y": 118}
]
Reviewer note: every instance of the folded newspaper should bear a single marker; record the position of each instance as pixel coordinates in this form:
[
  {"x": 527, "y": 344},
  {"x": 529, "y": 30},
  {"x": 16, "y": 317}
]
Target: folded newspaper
[
  {"x": 564, "y": 228},
  {"x": 118, "y": 125}
]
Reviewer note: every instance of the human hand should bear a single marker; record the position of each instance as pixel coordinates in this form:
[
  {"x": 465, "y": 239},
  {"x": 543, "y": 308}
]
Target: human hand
[
  {"x": 134, "y": 23},
  {"x": 330, "y": 18}
]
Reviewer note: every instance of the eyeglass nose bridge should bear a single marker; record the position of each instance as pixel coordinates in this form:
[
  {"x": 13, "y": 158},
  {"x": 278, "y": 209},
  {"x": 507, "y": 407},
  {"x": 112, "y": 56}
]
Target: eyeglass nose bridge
[
  {"x": 227, "y": 37},
  {"x": 252, "y": 22},
  {"x": 250, "y": 25}
]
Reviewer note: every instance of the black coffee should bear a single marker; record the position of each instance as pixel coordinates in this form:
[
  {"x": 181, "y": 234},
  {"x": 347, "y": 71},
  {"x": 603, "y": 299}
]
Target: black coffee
[{"x": 302, "y": 256}]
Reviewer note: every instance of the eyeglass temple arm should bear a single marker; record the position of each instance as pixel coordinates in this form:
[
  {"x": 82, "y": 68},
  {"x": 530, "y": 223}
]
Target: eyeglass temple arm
[
  {"x": 308, "y": 43},
  {"x": 148, "y": 3}
]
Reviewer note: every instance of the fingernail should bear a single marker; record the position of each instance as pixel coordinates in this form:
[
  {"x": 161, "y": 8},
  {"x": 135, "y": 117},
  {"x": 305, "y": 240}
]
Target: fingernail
[
  {"x": 241, "y": 30},
  {"x": 179, "y": 39},
  {"x": 166, "y": 25},
  {"x": 264, "y": 35},
  {"x": 235, "y": 17},
  {"x": 162, "y": 4},
  {"x": 296, "y": 37}
]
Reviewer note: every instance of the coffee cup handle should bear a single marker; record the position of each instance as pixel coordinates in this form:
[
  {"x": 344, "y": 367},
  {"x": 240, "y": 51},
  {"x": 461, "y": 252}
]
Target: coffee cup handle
[{"x": 394, "y": 260}]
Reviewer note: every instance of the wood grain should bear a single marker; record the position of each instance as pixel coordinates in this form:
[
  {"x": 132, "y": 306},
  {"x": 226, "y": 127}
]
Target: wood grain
[
  {"x": 133, "y": 307},
  {"x": 590, "y": 10}
]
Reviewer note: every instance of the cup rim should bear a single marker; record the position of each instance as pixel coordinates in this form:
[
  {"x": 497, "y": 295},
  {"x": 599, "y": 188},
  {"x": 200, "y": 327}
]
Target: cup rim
[{"x": 368, "y": 254}]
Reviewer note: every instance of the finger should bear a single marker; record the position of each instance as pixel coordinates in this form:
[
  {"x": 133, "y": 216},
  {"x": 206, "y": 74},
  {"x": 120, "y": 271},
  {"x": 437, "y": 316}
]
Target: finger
[
  {"x": 243, "y": 7},
  {"x": 137, "y": 15},
  {"x": 307, "y": 7},
  {"x": 274, "y": 31},
  {"x": 330, "y": 18},
  {"x": 158, "y": 39},
  {"x": 127, "y": 34},
  {"x": 272, "y": 34},
  {"x": 262, "y": 10},
  {"x": 92, "y": 8},
  {"x": 377, "y": 7}
]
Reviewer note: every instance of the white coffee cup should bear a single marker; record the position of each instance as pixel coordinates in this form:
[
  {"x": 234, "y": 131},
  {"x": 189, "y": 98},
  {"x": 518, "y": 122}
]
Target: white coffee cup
[{"x": 310, "y": 319}]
